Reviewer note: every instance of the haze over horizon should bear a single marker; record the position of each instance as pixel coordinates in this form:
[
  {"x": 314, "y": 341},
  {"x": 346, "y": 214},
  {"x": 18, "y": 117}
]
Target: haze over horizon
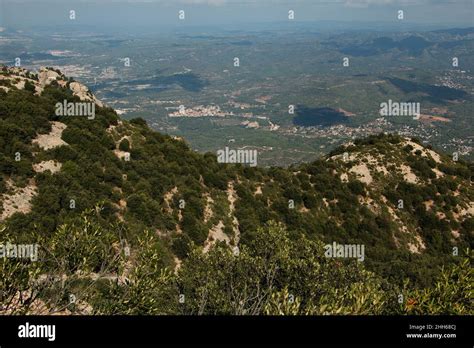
[{"x": 138, "y": 15}]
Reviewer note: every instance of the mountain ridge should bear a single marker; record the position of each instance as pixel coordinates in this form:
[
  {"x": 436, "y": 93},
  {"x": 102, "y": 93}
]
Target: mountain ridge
[{"x": 409, "y": 205}]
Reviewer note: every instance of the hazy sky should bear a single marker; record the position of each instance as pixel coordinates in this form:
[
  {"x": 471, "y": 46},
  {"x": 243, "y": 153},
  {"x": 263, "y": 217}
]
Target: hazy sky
[{"x": 164, "y": 13}]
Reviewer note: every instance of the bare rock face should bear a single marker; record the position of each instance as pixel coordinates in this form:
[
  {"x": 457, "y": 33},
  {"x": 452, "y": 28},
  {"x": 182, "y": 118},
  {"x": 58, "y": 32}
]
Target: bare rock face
[
  {"x": 51, "y": 165},
  {"x": 78, "y": 89},
  {"x": 18, "y": 199},
  {"x": 17, "y": 77},
  {"x": 18, "y": 71},
  {"x": 52, "y": 139},
  {"x": 47, "y": 76}
]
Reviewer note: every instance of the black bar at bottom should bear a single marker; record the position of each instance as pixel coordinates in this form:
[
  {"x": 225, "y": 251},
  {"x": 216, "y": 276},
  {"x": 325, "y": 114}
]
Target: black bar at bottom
[{"x": 218, "y": 330}]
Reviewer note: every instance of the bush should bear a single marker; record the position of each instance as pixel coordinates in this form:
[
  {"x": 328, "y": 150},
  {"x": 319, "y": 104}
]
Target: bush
[
  {"x": 124, "y": 145},
  {"x": 29, "y": 86}
]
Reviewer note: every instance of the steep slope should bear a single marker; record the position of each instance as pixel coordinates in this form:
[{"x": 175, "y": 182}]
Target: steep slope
[{"x": 408, "y": 205}]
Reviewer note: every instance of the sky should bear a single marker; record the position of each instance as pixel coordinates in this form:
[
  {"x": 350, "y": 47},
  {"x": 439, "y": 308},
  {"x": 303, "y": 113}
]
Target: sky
[{"x": 113, "y": 14}]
